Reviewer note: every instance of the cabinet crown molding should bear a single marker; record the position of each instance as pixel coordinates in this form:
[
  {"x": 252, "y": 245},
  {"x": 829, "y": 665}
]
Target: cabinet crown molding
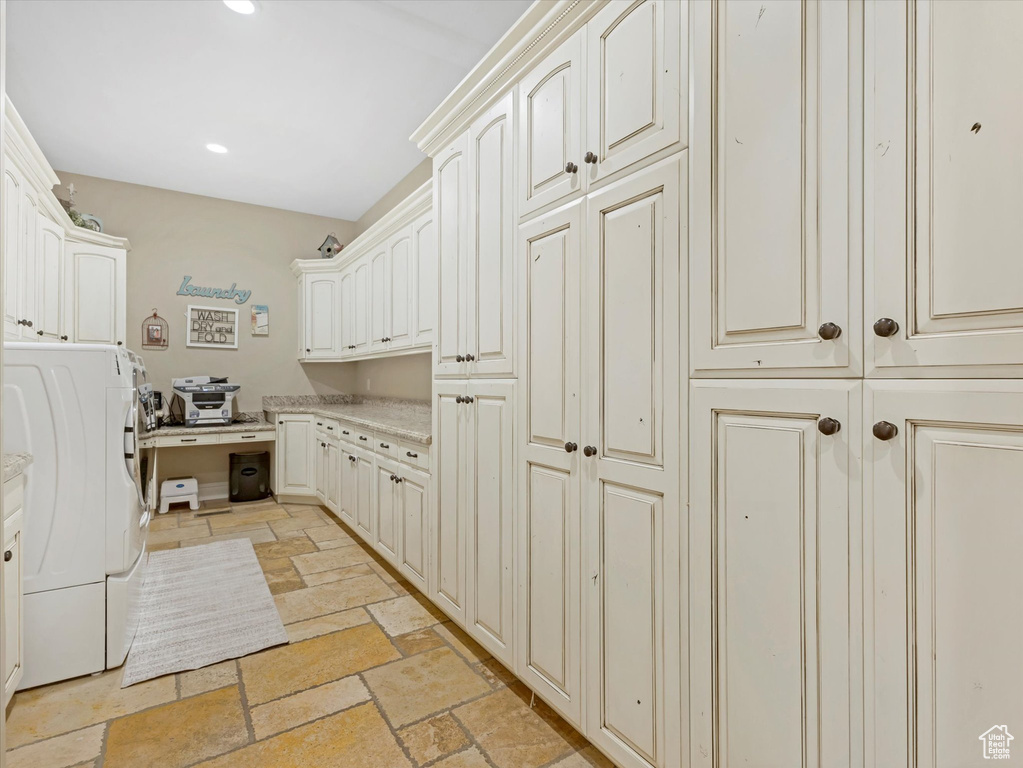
[
  {"x": 544, "y": 25},
  {"x": 405, "y": 212}
]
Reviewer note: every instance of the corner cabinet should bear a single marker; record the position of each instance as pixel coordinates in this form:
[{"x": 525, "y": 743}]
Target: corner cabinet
[
  {"x": 377, "y": 297},
  {"x": 295, "y": 455},
  {"x": 96, "y": 292}
]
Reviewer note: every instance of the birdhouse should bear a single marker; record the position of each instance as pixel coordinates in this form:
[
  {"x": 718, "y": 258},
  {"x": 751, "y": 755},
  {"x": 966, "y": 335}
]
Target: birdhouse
[{"x": 331, "y": 247}]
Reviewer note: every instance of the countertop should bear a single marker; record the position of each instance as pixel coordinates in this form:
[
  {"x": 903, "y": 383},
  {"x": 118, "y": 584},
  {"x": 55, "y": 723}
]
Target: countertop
[
  {"x": 15, "y": 463},
  {"x": 404, "y": 419},
  {"x": 245, "y": 422}
]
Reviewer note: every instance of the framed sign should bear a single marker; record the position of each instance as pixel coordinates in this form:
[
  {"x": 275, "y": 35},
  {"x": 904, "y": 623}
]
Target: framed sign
[
  {"x": 212, "y": 327},
  {"x": 260, "y": 320}
]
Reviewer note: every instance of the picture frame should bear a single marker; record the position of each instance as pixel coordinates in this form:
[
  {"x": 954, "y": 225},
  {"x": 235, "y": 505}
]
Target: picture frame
[{"x": 212, "y": 327}]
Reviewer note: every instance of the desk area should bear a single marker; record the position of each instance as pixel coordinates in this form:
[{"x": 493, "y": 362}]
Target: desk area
[{"x": 247, "y": 428}]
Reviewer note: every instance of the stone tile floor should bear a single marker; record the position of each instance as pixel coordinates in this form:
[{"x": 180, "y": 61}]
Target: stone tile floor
[{"x": 374, "y": 676}]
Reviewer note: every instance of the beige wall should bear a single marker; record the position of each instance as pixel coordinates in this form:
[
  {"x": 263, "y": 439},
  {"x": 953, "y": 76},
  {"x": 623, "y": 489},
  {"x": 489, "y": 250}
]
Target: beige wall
[
  {"x": 416, "y": 178},
  {"x": 407, "y": 376},
  {"x": 217, "y": 242}
]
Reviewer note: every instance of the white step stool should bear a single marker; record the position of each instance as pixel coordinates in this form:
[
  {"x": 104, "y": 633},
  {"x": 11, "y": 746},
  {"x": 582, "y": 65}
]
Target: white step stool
[{"x": 179, "y": 490}]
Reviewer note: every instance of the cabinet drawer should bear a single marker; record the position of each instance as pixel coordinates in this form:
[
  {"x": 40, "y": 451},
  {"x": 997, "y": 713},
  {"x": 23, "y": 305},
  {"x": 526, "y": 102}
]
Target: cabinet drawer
[
  {"x": 348, "y": 433},
  {"x": 14, "y": 495},
  {"x": 246, "y": 437},
  {"x": 328, "y": 427},
  {"x": 415, "y": 455},
  {"x": 385, "y": 445},
  {"x": 363, "y": 438},
  {"x": 167, "y": 441}
]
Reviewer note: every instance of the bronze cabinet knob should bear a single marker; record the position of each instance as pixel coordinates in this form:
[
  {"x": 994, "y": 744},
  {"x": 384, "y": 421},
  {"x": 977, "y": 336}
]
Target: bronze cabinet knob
[
  {"x": 828, "y": 426},
  {"x": 589, "y": 450},
  {"x": 886, "y": 327},
  {"x": 571, "y": 447},
  {"x": 459, "y": 359},
  {"x": 829, "y": 331},
  {"x": 590, "y": 158},
  {"x": 571, "y": 167},
  {"x": 885, "y": 430}
]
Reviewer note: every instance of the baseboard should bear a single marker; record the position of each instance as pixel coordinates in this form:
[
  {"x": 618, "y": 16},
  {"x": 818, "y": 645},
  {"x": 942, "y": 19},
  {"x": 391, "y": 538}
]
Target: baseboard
[
  {"x": 286, "y": 498},
  {"x": 211, "y": 491}
]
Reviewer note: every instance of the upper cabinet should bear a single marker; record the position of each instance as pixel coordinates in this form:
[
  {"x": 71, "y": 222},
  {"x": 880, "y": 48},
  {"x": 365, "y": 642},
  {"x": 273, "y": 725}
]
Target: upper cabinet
[
  {"x": 606, "y": 99},
  {"x": 945, "y": 276},
  {"x": 95, "y": 287},
  {"x": 377, "y": 297},
  {"x": 775, "y": 270},
  {"x": 449, "y": 209}
]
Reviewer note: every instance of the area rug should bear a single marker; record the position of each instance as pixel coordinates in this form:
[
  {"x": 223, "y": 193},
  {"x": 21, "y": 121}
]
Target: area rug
[{"x": 201, "y": 605}]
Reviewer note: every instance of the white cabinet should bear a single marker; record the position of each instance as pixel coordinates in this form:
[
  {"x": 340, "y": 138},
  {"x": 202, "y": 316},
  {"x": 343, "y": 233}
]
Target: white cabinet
[
  {"x": 326, "y": 455},
  {"x": 348, "y": 477},
  {"x": 631, "y": 476},
  {"x": 399, "y": 294},
  {"x": 423, "y": 278},
  {"x": 549, "y": 470},
  {"x": 346, "y": 311},
  {"x": 942, "y": 553},
  {"x": 296, "y": 460},
  {"x": 322, "y": 308},
  {"x": 379, "y": 298},
  {"x": 13, "y": 596},
  {"x": 95, "y": 292},
  {"x": 49, "y": 311},
  {"x": 450, "y": 213},
  {"x": 943, "y": 187},
  {"x": 414, "y": 543},
  {"x": 386, "y": 509},
  {"x": 773, "y": 574},
  {"x": 14, "y": 254},
  {"x": 360, "y": 309},
  {"x": 776, "y": 269},
  {"x": 447, "y": 582}
]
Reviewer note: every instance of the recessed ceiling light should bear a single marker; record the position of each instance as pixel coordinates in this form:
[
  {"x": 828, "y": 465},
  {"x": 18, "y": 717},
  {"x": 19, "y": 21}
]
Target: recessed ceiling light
[
  {"x": 220, "y": 149},
  {"x": 245, "y": 7}
]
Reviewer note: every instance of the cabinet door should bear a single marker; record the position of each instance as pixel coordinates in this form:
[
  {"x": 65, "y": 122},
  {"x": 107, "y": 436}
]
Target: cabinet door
[
  {"x": 295, "y": 455},
  {"x": 28, "y": 271},
  {"x": 13, "y": 607},
  {"x": 424, "y": 281},
  {"x": 364, "y": 495},
  {"x": 333, "y": 489},
  {"x": 771, "y": 572},
  {"x": 633, "y": 83},
  {"x": 49, "y": 280},
  {"x": 550, "y": 128},
  {"x": 349, "y": 478},
  {"x": 947, "y": 124},
  {"x": 13, "y": 257},
  {"x": 346, "y": 312},
  {"x": 322, "y": 316},
  {"x": 774, "y": 228},
  {"x": 631, "y": 482},
  {"x": 385, "y": 509},
  {"x": 548, "y": 643},
  {"x": 399, "y": 295},
  {"x": 450, "y": 208},
  {"x": 379, "y": 299},
  {"x": 490, "y": 567},
  {"x": 414, "y": 491},
  {"x": 491, "y": 286},
  {"x": 319, "y": 454},
  {"x": 97, "y": 293},
  {"x": 944, "y": 616},
  {"x": 360, "y": 321},
  {"x": 450, "y": 414}
]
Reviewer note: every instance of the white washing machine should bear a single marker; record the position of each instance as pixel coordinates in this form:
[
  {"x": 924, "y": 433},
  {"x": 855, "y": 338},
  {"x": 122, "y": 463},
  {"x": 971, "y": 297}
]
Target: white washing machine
[{"x": 75, "y": 408}]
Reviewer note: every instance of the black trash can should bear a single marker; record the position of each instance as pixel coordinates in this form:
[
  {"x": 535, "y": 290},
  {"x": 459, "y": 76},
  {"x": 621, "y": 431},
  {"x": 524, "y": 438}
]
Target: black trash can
[{"x": 250, "y": 476}]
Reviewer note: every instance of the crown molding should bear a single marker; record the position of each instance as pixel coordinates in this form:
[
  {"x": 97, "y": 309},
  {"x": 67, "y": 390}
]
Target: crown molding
[
  {"x": 544, "y": 26},
  {"x": 403, "y": 214}
]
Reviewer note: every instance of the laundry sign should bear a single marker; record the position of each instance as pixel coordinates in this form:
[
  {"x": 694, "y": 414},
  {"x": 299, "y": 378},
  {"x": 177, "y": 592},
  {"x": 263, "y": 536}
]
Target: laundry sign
[
  {"x": 212, "y": 327},
  {"x": 187, "y": 289}
]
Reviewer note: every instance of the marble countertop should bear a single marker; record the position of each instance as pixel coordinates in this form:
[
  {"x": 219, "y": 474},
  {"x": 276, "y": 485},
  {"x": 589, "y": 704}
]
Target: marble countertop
[
  {"x": 15, "y": 463},
  {"x": 405, "y": 419},
  {"x": 245, "y": 422}
]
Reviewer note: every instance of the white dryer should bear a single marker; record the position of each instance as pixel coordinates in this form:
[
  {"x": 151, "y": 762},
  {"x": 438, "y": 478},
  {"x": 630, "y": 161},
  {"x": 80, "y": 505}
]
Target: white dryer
[{"x": 74, "y": 407}]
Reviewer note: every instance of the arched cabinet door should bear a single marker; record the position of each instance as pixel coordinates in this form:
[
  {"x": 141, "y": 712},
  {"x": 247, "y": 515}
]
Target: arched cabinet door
[{"x": 450, "y": 211}]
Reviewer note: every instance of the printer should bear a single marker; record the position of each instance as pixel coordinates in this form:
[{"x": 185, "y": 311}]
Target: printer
[{"x": 202, "y": 401}]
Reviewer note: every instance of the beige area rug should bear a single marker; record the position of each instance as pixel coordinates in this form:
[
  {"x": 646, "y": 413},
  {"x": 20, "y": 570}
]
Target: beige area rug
[{"x": 201, "y": 605}]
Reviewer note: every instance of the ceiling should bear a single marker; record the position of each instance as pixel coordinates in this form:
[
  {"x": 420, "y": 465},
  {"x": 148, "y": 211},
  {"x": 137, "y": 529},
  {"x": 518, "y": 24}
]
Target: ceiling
[{"x": 314, "y": 99}]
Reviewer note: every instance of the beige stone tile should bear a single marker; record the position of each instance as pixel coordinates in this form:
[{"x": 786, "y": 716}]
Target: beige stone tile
[
  {"x": 337, "y": 544},
  {"x": 284, "y": 714},
  {"x": 75, "y": 704},
  {"x": 213, "y": 505},
  {"x": 330, "y": 598},
  {"x": 385, "y": 572},
  {"x": 163, "y": 522},
  {"x": 288, "y": 548},
  {"x": 496, "y": 673},
  {"x": 179, "y": 734},
  {"x": 295, "y": 509},
  {"x": 417, "y": 642},
  {"x": 282, "y": 580},
  {"x": 162, "y": 547},
  {"x": 462, "y": 643},
  {"x": 298, "y": 522},
  {"x": 404, "y": 615},
  {"x": 274, "y": 564},
  {"x": 256, "y": 537},
  {"x": 248, "y": 506},
  {"x": 207, "y": 679},
  {"x": 588, "y": 757},
  {"x": 256, "y": 525},
  {"x": 338, "y": 574},
  {"x": 470, "y": 758},
  {"x": 516, "y": 736},
  {"x": 239, "y": 516},
  {"x": 291, "y": 668},
  {"x": 178, "y": 534},
  {"x": 410, "y": 689},
  {"x": 355, "y": 738},
  {"x": 433, "y": 738},
  {"x": 60, "y": 752},
  {"x": 315, "y": 562},
  {"x": 328, "y": 533},
  {"x": 323, "y": 625}
]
